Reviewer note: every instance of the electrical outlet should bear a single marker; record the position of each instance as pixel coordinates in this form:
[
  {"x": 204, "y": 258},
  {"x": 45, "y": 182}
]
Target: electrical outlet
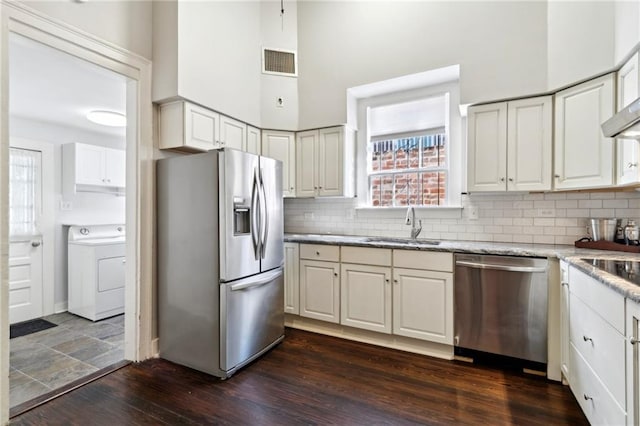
[
  {"x": 472, "y": 212},
  {"x": 279, "y": 102},
  {"x": 66, "y": 205},
  {"x": 546, "y": 212}
]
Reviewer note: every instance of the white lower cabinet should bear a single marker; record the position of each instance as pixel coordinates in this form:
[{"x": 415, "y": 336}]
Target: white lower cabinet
[
  {"x": 320, "y": 282},
  {"x": 633, "y": 362},
  {"x": 423, "y": 305},
  {"x": 365, "y": 288},
  {"x": 291, "y": 277},
  {"x": 597, "y": 374},
  {"x": 564, "y": 320}
]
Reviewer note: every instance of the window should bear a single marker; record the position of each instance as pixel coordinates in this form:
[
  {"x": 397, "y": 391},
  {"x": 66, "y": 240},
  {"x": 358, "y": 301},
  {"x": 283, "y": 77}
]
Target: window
[
  {"x": 24, "y": 178},
  {"x": 409, "y": 169}
]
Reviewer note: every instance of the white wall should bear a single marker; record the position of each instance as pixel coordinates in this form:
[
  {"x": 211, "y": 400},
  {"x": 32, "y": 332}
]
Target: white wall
[
  {"x": 580, "y": 40},
  {"x": 124, "y": 23},
  {"x": 279, "y": 33},
  {"x": 87, "y": 207},
  {"x": 627, "y": 28},
  {"x": 500, "y": 46}
]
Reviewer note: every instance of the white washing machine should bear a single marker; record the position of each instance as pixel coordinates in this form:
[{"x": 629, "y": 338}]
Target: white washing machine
[{"x": 96, "y": 274}]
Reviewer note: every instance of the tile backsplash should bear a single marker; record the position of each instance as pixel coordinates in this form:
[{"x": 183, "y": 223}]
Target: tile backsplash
[{"x": 550, "y": 218}]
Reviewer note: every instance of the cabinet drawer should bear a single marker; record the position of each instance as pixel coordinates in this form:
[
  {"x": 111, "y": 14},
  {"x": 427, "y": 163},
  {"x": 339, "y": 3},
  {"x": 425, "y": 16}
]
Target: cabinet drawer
[
  {"x": 600, "y": 345},
  {"x": 596, "y": 402},
  {"x": 430, "y": 260},
  {"x": 366, "y": 256},
  {"x": 320, "y": 252},
  {"x": 604, "y": 301}
]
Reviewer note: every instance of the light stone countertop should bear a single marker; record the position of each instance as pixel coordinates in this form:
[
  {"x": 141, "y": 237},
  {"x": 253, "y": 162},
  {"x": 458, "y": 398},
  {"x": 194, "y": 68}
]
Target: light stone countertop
[{"x": 570, "y": 254}]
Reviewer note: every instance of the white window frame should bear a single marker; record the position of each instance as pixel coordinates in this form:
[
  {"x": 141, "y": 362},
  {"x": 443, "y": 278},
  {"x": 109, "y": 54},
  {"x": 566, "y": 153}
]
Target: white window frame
[{"x": 455, "y": 141}]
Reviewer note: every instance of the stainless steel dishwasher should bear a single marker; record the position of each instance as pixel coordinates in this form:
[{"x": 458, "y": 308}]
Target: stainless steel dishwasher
[{"x": 501, "y": 305}]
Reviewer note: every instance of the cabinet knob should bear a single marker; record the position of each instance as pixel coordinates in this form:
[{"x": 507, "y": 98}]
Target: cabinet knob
[
  {"x": 633, "y": 340},
  {"x": 632, "y": 165},
  {"x": 335, "y": 274},
  {"x": 317, "y": 253},
  {"x": 291, "y": 189},
  {"x": 501, "y": 179},
  {"x": 35, "y": 243},
  {"x": 320, "y": 187},
  {"x": 587, "y": 397},
  {"x": 587, "y": 339},
  {"x": 563, "y": 284},
  {"x": 315, "y": 187},
  {"x": 557, "y": 176},
  {"x": 510, "y": 179},
  {"x": 395, "y": 281},
  {"x": 386, "y": 279}
]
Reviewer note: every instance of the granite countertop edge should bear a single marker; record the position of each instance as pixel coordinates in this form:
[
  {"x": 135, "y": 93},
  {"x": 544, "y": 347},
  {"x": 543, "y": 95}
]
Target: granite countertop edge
[{"x": 570, "y": 254}]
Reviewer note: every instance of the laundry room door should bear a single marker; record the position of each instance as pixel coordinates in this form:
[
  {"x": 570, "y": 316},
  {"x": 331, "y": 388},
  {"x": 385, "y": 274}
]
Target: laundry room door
[{"x": 25, "y": 239}]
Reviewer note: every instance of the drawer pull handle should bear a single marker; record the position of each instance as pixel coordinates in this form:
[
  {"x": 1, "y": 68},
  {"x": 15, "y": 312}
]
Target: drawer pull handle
[
  {"x": 587, "y": 397},
  {"x": 587, "y": 339},
  {"x": 633, "y": 340}
]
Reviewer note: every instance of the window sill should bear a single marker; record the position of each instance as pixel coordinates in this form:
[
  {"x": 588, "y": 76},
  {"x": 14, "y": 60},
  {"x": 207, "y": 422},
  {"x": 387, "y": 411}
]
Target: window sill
[{"x": 436, "y": 212}]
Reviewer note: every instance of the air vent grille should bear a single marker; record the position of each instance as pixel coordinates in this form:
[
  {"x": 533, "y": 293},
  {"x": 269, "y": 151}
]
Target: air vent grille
[{"x": 280, "y": 62}]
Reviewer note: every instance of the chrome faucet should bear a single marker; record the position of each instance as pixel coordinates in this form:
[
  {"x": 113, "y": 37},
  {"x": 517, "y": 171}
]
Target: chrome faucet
[{"x": 411, "y": 220}]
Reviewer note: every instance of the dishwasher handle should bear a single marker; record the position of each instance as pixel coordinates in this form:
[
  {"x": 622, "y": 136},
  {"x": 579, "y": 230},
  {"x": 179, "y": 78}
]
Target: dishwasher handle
[{"x": 508, "y": 268}]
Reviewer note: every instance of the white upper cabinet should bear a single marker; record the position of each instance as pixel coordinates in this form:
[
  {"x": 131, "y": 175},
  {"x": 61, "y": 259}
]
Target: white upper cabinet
[
  {"x": 253, "y": 140},
  {"x": 188, "y": 127},
  {"x": 233, "y": 133},
  {"x": 509, "y": 146},
  {"x": 92, "y": 168},
  {"x": 627, "y": 149},
  {"x": 583, "y": 156},
  {"x": 487, "y": 147},
  {"x": 324, "y": 161},
  {"x": 281, "y": 146}
]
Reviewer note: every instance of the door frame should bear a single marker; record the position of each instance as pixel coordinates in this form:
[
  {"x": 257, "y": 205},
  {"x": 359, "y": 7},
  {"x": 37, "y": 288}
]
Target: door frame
[
  {"x": 48, "y": 213},
  {"x": 140, "y": 216}
]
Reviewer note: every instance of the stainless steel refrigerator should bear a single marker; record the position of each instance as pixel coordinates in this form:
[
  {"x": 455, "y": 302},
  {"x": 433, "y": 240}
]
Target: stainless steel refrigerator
[{"x": 220, "y": 259}]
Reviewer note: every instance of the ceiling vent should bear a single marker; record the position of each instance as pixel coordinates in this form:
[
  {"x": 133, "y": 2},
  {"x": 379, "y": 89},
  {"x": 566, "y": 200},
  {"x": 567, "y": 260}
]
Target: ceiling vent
[{"x": 279, "y": 62}]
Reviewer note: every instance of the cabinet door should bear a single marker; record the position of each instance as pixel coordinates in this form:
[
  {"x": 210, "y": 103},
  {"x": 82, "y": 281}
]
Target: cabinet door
[
  {"x": 365, "y": 300},
  {"x": 331, "y": 161},
  {"x": 529, "y": 144},
  {"x": 307, "y": 163},
  {"x": 320, "y": 290},
  {"x": 583, "y": 156},
  {"x": 633, "y": 363},
  {"x": 253, "y": 140},
  {"x": 423, "y": 305},
  {"x": 115, "y": 167},
  {"x": 281, "y": 146},
  {"x": 627, "y": 149},
  {"x": 564, "y": 320},
  {"x": 487, "y": 148},
  {"x": 232, "y": 133},
  {"x": 291, "y": 276},
  {"x": 201, "y": 127},
  {"x": 90, "y": 165}
]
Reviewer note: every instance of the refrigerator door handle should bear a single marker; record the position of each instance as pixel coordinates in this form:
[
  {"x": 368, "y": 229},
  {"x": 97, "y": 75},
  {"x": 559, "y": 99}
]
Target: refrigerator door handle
[
  {"x": 255, "y": 215},
  {"x": 251, "y": 282},
  {"x": 264, "y": 228}
]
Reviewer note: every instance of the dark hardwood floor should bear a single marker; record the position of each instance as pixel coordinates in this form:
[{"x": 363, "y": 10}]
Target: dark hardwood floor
[{"x": 315, "y": 379}]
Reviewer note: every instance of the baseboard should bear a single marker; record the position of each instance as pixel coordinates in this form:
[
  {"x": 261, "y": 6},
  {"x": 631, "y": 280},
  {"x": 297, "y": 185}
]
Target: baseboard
[
  {"x": 436, "y": 350},
  {"x": 61, "y": 307}
]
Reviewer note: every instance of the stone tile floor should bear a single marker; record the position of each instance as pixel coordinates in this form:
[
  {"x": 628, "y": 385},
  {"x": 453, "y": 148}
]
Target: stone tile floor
[{"x": 47, "y": 360}]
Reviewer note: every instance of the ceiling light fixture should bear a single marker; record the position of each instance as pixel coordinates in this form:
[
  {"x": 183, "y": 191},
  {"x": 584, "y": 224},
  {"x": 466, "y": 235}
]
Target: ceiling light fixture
[{"x": 107, "y": 118}]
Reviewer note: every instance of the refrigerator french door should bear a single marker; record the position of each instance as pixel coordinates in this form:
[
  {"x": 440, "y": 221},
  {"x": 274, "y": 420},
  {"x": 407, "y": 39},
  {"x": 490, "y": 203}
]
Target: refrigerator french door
[{"x": 220, "y": 259}]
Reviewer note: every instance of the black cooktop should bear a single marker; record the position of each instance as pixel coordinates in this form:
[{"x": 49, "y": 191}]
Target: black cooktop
[{"x": 625, "y": 269}]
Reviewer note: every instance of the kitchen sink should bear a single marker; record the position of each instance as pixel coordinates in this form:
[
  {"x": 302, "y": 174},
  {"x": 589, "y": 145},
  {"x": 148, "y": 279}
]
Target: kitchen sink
[{"x": 407, "y": 241}]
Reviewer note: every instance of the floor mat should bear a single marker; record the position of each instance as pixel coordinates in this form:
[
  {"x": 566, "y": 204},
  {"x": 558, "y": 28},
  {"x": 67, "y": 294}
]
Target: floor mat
[{"x": 28, "y": 327}]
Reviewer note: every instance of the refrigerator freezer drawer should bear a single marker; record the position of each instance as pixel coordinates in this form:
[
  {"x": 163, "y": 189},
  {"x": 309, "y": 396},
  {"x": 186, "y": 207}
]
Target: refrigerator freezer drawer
[{"x": 252, "y": 317}]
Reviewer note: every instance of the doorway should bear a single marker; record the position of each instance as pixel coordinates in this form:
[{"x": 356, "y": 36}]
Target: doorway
[
  {"x": 61, "y": 340},
  {"x": 21, "y": 20}
]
